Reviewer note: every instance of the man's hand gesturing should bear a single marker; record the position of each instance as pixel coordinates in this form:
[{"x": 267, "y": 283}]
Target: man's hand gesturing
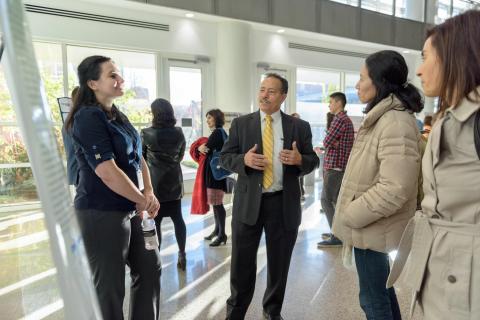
[
  {"x": 291, "y": 157},
  {"x": 254, "y": 160}
]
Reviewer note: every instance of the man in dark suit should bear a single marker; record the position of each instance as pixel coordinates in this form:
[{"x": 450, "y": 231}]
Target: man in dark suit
[{"x": 269, "y": 151}]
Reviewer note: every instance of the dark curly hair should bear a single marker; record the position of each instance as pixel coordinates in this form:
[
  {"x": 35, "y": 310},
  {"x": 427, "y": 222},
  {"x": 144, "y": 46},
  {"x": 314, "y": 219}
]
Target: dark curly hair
[{"x": 218, "y": 115}]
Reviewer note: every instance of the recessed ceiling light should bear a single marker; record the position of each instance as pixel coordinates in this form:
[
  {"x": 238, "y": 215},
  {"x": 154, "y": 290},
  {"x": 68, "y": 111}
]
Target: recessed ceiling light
[
  {"x": 406, "y": 51},
  {"x": 189, "y": 15},
  {"x": 281, "y": 30}
]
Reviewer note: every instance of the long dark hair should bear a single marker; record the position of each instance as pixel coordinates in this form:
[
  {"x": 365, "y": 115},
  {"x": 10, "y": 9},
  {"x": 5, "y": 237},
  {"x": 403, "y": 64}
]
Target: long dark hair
[
  {"x": 388, "y": 71},
  {"x": 163, "y": 116},
  {"x": 458, "y": 48},
  {"x": 88, "y": 69}
]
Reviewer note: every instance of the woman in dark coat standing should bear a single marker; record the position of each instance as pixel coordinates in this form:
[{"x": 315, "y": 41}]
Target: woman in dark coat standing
[
  {"x": 163, "y": 149},
  {"x": 215, "y": 188}
]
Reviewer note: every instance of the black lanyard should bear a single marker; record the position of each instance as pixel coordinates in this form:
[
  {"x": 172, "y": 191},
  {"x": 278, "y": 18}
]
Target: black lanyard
[{"x": 125, "y": 124}]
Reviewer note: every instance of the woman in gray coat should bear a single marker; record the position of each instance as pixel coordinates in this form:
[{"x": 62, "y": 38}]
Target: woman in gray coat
[{"x": 444, "y": 263}]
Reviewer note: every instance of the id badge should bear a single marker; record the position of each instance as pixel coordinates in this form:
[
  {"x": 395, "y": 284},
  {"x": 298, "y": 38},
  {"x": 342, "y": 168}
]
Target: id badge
[{"x": 140, "y": 180}]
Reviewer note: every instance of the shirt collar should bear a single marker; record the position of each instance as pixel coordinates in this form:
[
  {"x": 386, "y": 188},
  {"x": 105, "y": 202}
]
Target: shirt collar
[
  {"x": 276, "y": 116},
  {"x": 466, "y": 108},
  {"x": 340, "y": 114}
]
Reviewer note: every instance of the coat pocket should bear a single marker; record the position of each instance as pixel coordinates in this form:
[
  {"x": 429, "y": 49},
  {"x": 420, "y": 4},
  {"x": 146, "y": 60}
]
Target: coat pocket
[{"x": 457, "y": 279}]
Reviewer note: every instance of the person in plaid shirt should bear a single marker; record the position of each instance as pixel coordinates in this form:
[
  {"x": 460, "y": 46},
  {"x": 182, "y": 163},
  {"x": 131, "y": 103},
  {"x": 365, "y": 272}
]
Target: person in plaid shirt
[{"x": 338, "y": 144}]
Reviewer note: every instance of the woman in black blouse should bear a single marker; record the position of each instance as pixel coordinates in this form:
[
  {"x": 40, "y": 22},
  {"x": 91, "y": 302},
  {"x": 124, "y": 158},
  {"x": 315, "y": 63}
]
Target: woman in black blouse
[
  {"x": 163, "y": 147},
  {"x": 215, "y": 188},
  {"x": 113, "y": 183}
]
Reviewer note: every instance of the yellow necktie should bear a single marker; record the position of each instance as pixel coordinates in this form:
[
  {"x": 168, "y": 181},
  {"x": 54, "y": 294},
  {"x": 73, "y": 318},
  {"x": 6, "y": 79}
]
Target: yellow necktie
[{"x": 267, "y": 141}]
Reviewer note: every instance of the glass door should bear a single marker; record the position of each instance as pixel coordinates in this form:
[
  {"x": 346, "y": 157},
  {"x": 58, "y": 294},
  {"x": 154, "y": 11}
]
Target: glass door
[{"x": 185, "y": 91}]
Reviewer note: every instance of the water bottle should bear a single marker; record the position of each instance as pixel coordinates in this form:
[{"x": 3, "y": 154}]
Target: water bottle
[{"x": 149, "y": 232}]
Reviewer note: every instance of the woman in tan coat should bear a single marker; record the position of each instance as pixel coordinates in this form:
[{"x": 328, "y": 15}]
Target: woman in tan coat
[
  {"x": 379, "y": 189},
  {"x": 444, "y": 263}
]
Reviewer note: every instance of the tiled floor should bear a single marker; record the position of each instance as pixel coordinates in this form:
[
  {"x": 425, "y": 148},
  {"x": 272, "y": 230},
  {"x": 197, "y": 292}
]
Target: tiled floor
[{"x": 319, "y": 287}]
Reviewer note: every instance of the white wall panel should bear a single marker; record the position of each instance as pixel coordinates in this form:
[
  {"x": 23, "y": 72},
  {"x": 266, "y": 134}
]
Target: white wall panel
[
  {"x": 273, "y": 48},
  {"x": 187, "y": 36}
]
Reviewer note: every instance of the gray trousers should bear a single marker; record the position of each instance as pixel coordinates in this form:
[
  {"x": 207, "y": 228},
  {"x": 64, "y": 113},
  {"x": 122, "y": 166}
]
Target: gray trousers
[
  {"x": 112, "y": 240},
  {"x": 332, "y": 181}
]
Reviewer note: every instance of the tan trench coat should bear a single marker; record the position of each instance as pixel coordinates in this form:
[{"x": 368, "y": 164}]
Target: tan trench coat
[
  {"x": 378, "y": 195},
  {"x": 443, "y": 267}
]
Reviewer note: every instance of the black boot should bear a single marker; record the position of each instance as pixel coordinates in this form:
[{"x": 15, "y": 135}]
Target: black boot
[
  {"x": 221, "y": 217},
  {"x": 182, "y": 261},
  {"x": 215, "y": 231},
  {"x": 211, "y": 235}
]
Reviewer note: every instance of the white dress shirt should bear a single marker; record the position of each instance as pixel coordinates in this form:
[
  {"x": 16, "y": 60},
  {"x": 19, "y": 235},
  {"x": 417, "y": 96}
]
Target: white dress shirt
[{"x": 277, "y": 127}]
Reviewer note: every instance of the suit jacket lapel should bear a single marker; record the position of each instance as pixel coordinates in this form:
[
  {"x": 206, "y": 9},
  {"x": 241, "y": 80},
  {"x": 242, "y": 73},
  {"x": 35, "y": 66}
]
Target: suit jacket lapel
[
  {"x": 287, "y": 126},
  {"x": 255, "y": 129}
]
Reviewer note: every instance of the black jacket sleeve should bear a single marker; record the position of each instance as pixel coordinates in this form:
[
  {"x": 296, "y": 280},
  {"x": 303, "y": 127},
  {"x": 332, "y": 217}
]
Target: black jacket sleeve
[
  {"x": 182, "y": 144},
  {"x": 310, "y": 159},
  {"x": 215, "y": 141},
  {"x": 231, "y": 158}
]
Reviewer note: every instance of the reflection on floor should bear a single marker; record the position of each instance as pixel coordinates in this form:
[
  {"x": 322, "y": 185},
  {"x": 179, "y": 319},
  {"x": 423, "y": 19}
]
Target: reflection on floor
[{"x": 319, "y": 287}]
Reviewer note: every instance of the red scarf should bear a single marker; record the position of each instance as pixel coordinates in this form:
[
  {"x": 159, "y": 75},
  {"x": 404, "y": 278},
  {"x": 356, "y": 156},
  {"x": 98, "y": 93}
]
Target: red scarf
[{"x": 199, "y": 195}]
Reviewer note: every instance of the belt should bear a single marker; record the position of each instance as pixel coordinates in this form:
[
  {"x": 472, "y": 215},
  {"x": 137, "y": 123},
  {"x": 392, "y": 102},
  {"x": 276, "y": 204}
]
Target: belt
[
  {"x": 272, "y": 194},
  {"x": 416, "y": 242}
]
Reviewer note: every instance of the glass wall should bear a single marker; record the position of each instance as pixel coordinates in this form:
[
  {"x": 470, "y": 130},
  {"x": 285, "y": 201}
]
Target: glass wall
[
  {"x": 138, "y": 71},
  {"x": 382, "y": 6},
  {"x": 7, "y": 114},
  {"x": 410, "y": 9},
  {"x": 459, "y": 6},
  {"x": 186, "y": 99},
  {"x": 49, "y": 59},
  {"x": 437, "y": 11},
  {"x": 349, "y": 2},
  {"x": 313, "y": 90},
  {"x": 407, "y": 9},
  {"x": 16, "y": 178},
  {"x": 354, "y": 105},
  {"x": 314, "y": 87},
  {"x": 440, "y": 10}
]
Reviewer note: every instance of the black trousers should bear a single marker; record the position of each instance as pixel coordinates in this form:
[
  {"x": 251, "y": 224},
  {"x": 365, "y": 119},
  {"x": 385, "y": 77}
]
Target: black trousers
[
  {"x": 245, "y": 242},
  {"x": 111, "y": 241},
  {"x": 172, "y": 209}
]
